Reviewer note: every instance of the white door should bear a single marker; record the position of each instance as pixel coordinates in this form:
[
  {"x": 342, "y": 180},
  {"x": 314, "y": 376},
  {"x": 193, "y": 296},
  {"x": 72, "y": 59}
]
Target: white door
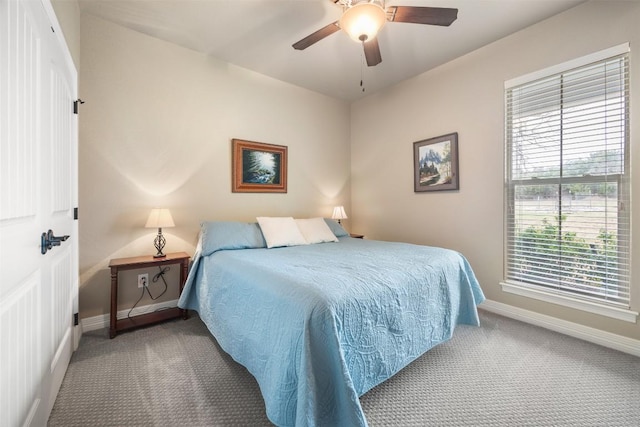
[{"x": 38, "y": 182}]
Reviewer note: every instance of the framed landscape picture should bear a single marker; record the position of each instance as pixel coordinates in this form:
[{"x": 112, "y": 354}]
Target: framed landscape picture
[
  {"x": 435, "y": 164},
  {"x": 259, "y": 167}
]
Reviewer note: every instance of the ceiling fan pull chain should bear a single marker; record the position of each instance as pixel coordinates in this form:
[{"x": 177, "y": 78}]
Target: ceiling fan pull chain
[{"x": 362, "y": 68}]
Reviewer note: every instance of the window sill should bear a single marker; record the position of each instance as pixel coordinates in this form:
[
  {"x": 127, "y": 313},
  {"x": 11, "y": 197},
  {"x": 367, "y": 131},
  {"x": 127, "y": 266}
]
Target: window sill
[{"x": 623, "y": 314}]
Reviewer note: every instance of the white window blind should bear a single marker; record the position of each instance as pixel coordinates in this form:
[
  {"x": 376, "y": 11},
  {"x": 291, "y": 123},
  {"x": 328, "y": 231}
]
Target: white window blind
[{"x": 567, "y": 181}]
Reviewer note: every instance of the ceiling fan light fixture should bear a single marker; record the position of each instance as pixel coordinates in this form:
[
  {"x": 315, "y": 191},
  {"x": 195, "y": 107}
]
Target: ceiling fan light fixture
[{"x": 362, "y": 21}]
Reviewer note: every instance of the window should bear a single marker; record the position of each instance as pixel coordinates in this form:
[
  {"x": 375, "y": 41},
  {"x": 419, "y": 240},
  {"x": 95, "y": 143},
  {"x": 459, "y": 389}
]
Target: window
[{"x": 567, "y": 180}]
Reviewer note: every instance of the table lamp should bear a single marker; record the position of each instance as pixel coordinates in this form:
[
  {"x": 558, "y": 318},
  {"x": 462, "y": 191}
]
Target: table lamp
[
  {"x": 159, "y": 218},
  {"x": 339, "y": 214}
]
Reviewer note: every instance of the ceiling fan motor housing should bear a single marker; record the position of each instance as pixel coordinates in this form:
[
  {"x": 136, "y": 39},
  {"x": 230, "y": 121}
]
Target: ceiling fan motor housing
[
  {"x": 349, "y": 3},
  {"x": 362, "y": 20}
]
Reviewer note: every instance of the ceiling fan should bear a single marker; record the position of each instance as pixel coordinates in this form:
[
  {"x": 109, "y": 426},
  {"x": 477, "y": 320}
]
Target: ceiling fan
[{"x": 362, "y": 19}]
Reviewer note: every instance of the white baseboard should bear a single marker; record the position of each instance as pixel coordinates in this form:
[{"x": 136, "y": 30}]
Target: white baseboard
[
  {"x": 102, "y": 321},
  {"x": 596, "y": 336}
]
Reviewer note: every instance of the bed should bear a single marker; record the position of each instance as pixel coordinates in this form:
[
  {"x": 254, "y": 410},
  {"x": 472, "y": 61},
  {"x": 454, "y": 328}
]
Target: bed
[{"x": 318, "y": 325}]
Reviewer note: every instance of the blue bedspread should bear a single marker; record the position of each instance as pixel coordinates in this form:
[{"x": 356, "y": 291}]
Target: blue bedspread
[{"x": 320, "y": 325}]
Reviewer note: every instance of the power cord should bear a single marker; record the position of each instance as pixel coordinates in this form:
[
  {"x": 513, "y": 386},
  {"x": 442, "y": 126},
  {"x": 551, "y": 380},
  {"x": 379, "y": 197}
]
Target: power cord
[
  {"x": 155, "y": 278},
  {"x": 158, "y": 276}
]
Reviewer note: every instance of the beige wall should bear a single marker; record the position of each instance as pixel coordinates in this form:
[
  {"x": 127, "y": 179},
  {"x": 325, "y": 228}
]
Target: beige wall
[
  {"x": 156, "y": 131},
  {"x": 466, "y": 96},
  {"x": 68, "y": 14}
]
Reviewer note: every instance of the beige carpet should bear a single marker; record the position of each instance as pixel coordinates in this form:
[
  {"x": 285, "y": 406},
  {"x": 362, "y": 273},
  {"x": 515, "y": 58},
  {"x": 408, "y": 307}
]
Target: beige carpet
[{"x": 504, "y": 373}]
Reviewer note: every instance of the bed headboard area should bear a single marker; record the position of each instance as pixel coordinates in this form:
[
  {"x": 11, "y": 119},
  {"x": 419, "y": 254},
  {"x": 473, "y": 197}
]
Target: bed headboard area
[{"x": 280, "y": 231}]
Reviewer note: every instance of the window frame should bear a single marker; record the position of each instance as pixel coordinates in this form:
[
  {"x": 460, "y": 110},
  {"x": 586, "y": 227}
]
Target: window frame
[{"x": 569, "y": 298}]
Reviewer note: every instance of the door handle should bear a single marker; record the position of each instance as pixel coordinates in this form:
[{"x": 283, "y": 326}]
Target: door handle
[{"x": 48, "y": 241}]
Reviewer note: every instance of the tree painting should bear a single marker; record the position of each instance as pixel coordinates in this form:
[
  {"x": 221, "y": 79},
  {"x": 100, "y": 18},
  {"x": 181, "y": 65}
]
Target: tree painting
[
  {"x": 435, "y": 164},
  {"x": 260, "y": 167}
]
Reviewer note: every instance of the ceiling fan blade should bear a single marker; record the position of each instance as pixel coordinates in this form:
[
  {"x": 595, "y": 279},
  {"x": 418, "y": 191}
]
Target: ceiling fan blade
[
  {"x": 372, "y": 52},
  {"x": 443, "y": 16},
  {"x": 317, "y": 36}
]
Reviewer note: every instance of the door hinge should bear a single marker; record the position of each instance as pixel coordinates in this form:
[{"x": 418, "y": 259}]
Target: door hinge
[
  {"x": 75, "y": 319},
  {"x": 75, "y": 105},
  {"x": 75, "y": 213}
]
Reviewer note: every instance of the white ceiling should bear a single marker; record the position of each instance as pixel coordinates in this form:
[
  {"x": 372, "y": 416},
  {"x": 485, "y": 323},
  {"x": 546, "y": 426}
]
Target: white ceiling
[{"x": 258, "y": 34}]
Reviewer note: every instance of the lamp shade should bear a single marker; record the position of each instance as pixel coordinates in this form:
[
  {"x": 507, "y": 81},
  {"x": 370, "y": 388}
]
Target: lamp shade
[
  {"x": 160, "y": 218},
  {"x": 339, "y": 213},
  {"x": 363, "y": 21}
]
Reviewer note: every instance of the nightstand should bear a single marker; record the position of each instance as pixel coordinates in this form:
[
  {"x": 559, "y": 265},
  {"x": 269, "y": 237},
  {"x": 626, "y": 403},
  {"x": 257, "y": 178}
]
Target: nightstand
[
  {"x": 118, "y": 264},
  {"x": 356, "y": 236}
]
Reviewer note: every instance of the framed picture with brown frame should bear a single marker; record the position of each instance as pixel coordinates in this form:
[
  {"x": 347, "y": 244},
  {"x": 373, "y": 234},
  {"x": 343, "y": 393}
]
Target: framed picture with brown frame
[
  {"x": 259, "y": 167},
  {"x": 435, "y": 164}
]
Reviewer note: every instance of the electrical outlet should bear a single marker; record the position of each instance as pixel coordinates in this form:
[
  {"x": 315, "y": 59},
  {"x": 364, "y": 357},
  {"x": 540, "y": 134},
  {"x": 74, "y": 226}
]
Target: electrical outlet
[{"x": 143, "y": 280}]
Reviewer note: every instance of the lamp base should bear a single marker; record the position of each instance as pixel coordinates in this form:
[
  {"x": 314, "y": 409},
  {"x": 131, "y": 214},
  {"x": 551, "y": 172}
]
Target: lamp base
[{"x": 159, "y": 243}]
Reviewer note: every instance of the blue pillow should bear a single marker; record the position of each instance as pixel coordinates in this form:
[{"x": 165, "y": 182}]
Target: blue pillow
[
  {"x": 221, "y": 235},
  {"x": 336, "y": 228}
]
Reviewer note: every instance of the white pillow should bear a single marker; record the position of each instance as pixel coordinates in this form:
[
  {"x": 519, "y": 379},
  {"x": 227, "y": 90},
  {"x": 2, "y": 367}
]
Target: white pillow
[
  {"x": 316, "y": 230},
  {"x": 280, "y": 231}
]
